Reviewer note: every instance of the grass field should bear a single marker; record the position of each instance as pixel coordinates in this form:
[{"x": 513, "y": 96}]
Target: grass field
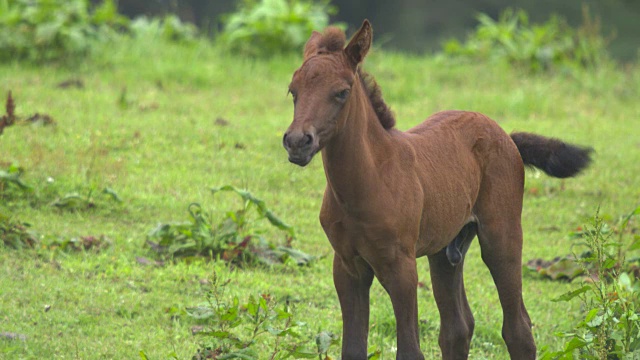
[{"x": 144, "y": 124}]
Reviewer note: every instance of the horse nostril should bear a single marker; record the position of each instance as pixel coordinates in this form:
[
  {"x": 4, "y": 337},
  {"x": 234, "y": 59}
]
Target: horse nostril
[
  {"x": 297, "y": 140},
  {"x": 308, "y": 139}
]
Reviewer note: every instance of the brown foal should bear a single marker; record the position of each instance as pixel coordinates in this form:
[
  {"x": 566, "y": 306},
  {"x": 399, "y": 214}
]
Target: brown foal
[{"x": 393, "y": 196}]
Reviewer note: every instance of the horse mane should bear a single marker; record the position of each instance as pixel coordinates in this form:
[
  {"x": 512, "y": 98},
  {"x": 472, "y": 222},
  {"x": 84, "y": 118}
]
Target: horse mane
[
  {"x": 385, "y": 115},
  {"x": 333, "y": 40}
]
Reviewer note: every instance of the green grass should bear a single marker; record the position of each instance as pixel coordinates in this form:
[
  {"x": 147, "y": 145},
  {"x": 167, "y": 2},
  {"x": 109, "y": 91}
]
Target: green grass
[{"x": 164, "y": 150}]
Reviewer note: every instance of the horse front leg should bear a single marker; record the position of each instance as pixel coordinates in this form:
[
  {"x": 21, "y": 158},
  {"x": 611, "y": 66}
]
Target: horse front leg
[
  {"x": 353, "y": 281},
  {"x": 400, "y": 280}
]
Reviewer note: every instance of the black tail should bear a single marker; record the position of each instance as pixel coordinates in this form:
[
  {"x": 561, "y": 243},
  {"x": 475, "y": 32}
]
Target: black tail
[{"x": 554, "y": 157}]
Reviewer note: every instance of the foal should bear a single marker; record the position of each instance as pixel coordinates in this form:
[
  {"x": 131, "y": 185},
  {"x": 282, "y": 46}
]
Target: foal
[{"x": 393, "y": 196}]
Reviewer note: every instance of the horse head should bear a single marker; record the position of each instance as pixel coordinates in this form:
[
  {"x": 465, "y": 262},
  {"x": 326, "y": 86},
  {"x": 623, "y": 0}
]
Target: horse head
[{"x": 322, "y": 89}]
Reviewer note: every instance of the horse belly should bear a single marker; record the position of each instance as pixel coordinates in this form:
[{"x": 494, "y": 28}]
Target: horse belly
[{"x": 447, "y": 208}]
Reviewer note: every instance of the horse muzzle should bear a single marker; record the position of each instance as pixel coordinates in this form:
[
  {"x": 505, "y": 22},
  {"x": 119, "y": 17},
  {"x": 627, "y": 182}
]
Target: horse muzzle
[{"x": 300, "y": 146}]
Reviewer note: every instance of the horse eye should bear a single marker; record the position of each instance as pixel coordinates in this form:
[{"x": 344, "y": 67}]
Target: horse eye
[{"x": 342, "y": 95}]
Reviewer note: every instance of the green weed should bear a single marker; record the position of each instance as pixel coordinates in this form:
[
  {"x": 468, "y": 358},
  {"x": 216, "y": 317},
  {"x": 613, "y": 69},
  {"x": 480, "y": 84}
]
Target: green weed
[
  {"x": 583, "y": 265},
  {"x": 235, "y": 239},
  {"x": 610, "y": 297},
  {"x": 78, "y": 202},
  {"x": 11, "y": 180},
  {"x": 16, "y": 234},
  {"x": 230, "y": 329}
]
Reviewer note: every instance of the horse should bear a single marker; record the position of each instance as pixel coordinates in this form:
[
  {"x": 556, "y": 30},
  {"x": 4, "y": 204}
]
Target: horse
[{"x": 394, "y": 196}]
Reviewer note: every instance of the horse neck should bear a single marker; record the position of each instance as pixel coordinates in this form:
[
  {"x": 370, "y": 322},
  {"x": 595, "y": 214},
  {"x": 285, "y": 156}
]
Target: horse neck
[{"x": 352, "y": 158}]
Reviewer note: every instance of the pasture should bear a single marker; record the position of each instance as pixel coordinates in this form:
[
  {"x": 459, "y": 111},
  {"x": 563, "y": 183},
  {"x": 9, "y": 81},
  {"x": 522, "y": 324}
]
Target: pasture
[{"x": 161, "y": 124}]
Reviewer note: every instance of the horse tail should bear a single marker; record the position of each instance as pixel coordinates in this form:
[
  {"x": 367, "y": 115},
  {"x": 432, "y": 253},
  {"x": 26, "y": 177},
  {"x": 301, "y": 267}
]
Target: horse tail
[{"x": 555, "y": 157}]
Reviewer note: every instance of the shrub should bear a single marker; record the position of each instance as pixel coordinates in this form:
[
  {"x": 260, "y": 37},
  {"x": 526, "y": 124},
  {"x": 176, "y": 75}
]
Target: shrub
[
  {"x": 66, "y": 30},
  {"x": 534, "y": 46},
  {"x": 169, "y": 28},
  {"x": 266, "y": 27},
  {"x": 45, "y": 30}
]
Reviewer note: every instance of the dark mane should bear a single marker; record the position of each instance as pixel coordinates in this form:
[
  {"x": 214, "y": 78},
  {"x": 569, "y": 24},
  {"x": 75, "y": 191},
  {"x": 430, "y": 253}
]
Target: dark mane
[
  {"x": 385, "y": 115},
  {"x": 332, "y": 41}
]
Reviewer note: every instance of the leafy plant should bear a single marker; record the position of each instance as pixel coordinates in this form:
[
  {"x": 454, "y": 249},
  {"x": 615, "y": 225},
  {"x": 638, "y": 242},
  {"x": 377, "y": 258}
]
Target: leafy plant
[
  {"x": 16, "y": 234},
  {"x": 11, "y": 179},
  {"x": 575, "y": 266},
  {"x": 611, "y": 297},
  {"x": 235, "y": 239},
  {"x": 231, "y": 329},
  {"x": 267, "y": 27},
  {"x": 76, "y": 201},
  {"x": 537, "y": 47},
  {"x": 45, "y": 30}
]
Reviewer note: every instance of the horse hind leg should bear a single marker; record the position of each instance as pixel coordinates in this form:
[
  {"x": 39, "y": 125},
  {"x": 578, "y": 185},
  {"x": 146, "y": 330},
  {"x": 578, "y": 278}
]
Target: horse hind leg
[
  {"x": 498, "y": 210},
  {"x": 456, "y": 320},
  {"x": 501, "y": 246}
]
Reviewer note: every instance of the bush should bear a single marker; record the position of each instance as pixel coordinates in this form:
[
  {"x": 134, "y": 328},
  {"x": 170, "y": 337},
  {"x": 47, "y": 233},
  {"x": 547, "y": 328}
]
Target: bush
[
  {"x": 534, "y": 46},
  {"x": 267, "y": 27},
  {"x": 170, "y": 28},
  {"x": 46, "y": 30},
  {"x": 66, "y": 30}
]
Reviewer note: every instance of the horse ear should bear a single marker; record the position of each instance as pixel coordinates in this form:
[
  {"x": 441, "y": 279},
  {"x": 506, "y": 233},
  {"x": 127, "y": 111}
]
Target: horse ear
[
  {"x": 360, "y": 43},
  {"x": 312, "y": 44}
]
